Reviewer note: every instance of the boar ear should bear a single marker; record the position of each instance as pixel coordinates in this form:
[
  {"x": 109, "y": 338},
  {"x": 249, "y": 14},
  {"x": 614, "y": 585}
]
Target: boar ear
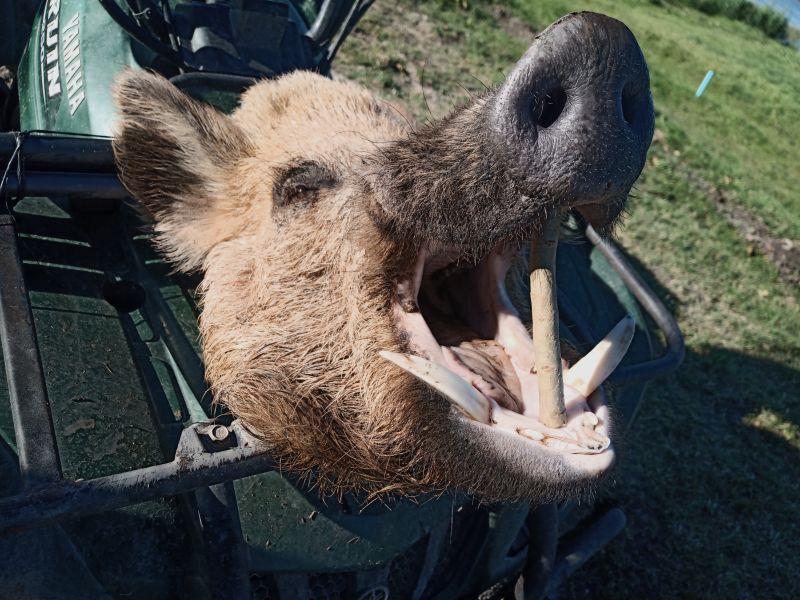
[{"x": 178, "y": 156}]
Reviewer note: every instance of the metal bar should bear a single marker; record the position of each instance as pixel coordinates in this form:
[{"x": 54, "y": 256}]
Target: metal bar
[
  {"x": 218, "y": 519},
  {"x": 166, "y": 326},
  {"x": 58, "y": 152},
  {"x": 354, "y": 16},
  {"x": 30, "y": 407},
  {"x": 168, "y": 428},
  {"x": 673, "y": 356},
  {"x": 542, "y": 525},
  {"x": 328, "y": 20},
  {"x": 220, "y": 81},
  {"x": 576, "y": 549},
  {"x": 226, "y": 553},
  {"x": 190, "y": 470},
  {"x": 100, "y": 186}
]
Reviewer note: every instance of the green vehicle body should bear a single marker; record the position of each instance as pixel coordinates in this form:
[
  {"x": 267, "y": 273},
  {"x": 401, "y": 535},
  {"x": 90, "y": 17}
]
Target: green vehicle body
[
  {"x": 102, "y": 49},
  {"x": 103, "y": 345}
]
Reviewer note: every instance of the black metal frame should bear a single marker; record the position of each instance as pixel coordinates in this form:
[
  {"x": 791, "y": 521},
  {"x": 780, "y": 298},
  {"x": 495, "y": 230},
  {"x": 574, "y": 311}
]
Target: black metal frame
[
  {"x": 30, "y": 408},
  {"x": 333, "y": 24},
  {"x": 209, "y": 455},
  {"x": 194, "y": 467}
]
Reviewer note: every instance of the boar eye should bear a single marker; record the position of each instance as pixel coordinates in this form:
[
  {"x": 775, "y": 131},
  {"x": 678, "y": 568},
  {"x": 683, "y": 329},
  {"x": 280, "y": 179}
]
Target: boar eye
[{"x": 300, "y": 184}]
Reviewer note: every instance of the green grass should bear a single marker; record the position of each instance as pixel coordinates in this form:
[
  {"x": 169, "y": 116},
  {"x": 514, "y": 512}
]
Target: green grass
[{"x": 711, "y": 466}]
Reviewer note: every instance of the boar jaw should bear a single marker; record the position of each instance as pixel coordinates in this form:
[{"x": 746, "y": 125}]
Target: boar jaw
[
  {"x": 307, "y": 206},
  {"x": 465, "y": 339}
]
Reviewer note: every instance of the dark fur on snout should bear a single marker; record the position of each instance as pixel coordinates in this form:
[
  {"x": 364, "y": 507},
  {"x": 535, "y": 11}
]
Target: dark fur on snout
[
  {"x": 496, "y": 168},
  {"x": 450, "y": 183}
]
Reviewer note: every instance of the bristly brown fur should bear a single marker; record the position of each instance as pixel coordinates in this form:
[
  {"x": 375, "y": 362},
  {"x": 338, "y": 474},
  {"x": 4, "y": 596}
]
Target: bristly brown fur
[
  {"x": 176, "y": 161},
  {"x": 296, "y": 309}
]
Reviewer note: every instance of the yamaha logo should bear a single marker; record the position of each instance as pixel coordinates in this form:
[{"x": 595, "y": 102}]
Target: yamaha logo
[{"x": 61, "y": 57}]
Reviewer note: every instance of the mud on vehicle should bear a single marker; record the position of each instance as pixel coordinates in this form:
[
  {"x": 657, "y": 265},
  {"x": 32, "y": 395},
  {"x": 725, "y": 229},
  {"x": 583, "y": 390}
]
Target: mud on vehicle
[{"x": 123, "y": 477}]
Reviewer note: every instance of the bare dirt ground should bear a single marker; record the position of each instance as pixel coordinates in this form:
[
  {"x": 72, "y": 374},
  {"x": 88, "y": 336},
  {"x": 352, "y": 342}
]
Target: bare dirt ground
[{"x": 784, "y": 253}]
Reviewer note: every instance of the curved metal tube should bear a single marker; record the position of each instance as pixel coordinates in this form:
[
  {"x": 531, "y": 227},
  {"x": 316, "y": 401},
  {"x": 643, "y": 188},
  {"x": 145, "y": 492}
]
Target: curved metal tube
[
  {"x": 676, "y": 349},
  {"x": 327, "y": 22}
]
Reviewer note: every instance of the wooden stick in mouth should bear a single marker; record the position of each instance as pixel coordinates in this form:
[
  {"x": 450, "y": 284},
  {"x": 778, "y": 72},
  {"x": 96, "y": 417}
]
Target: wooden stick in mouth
[{"x": 544, "y": 317}]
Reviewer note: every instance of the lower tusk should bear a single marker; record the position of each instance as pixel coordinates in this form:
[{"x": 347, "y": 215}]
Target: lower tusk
[
  {"x": 590, "y": 420},
  {"x": 593, "y": 369},
  {"x": 462, "y": 395}
]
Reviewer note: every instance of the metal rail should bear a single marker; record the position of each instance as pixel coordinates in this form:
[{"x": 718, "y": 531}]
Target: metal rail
[
  {"x": 96, "y": 186},
  {"x": 191, "y": 469},
  {"x": 584, "y": 542},
  {"x": 30, "y": 407},
  {"x": 60, "y": 152},
  {"x": 205, "y": 462},
  {"x": 676, "y": 348}
]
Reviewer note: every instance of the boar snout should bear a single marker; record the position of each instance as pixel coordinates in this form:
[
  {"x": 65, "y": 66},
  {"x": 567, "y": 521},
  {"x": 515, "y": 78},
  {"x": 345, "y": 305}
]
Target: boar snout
[
  {"x": 577, "y": 112},
  {"x": 569, "y": 127}
]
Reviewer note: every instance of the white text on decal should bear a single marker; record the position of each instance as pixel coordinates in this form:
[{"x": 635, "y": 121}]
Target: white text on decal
[
  {"x": 50, "y": 35},
  {"x": 71, "y": 60}
]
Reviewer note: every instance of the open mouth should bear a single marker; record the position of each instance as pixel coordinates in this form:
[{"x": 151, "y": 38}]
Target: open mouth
[{"x": 464, "y": 338}]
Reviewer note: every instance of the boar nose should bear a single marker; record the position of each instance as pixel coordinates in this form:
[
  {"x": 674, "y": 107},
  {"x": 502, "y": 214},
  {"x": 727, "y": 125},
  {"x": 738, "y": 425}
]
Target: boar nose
[{"x": 576, "y": 112}]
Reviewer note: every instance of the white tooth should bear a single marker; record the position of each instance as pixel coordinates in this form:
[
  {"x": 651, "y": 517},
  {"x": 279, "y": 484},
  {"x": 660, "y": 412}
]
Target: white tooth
[
  {"x": 593, "y": 369},
  {"x": 531, "y": 434},
  {"x": 592, "y": 441},
  {"x": 459, "y": 392},
  {"x": 590, "y": 420}
]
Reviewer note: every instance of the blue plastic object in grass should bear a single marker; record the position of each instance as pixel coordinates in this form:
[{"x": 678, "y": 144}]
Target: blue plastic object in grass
[{"x": 704, "y": 84}]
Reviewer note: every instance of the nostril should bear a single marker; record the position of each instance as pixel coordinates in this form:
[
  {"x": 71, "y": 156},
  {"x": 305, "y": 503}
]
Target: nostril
[
  {"x": 630, "y": 101},
  {"x": 550, "y": 107}
]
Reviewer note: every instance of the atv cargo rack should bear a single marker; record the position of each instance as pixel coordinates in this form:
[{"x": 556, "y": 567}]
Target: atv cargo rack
[{"x": 209, "y": 455}]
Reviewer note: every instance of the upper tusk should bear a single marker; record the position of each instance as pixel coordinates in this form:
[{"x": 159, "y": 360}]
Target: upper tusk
[
  {"x": 593, "y": 369},
  {"x": 544, "y": 324},
  {"x": 456, "y": 390}
]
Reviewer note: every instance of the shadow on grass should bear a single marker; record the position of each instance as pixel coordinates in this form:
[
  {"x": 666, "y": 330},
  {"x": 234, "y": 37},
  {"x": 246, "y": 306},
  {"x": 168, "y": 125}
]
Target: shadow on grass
[{"x": 708, "y": 477}]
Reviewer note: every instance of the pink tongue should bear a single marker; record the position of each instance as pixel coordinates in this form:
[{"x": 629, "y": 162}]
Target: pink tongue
[{"x": 486, "y": 366}]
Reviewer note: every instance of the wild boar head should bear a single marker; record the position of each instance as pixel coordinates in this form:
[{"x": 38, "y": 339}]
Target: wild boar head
[{"x": 332, "y": 234}]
